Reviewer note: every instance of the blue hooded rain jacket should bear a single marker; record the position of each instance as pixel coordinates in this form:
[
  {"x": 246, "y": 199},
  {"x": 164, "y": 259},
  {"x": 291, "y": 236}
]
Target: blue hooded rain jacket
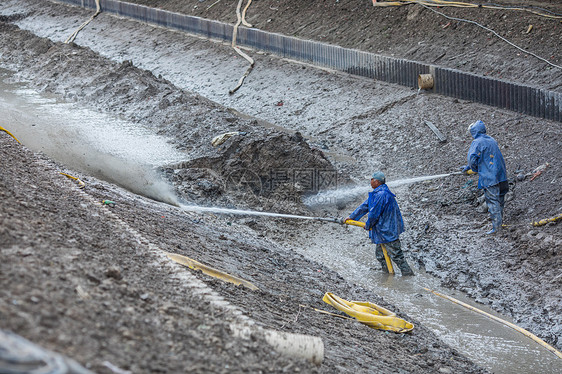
[
  {"x": 485, "y": 157},
  {"x": 384, "y": 218}
]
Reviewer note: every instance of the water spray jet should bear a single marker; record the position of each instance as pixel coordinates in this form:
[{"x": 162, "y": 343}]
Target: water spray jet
[{"x": 350, "y": 193}]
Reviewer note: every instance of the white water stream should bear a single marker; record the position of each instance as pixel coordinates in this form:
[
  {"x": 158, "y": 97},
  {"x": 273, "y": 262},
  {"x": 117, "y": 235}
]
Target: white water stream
[{"x": 351, "y": 193}]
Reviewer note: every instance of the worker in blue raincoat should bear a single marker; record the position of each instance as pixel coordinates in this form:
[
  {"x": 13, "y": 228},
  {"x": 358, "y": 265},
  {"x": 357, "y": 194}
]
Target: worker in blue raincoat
[
  {"x": 485, "y": 158},
  {"x": 384, "y": 223}
]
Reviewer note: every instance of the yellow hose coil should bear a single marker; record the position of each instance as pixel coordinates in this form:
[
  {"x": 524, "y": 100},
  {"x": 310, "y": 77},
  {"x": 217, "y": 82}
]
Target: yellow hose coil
[
  {"x": 9, "y": 133},
  {"x": 386, "y": 257},
  {"x": 196, "y": 265},
  {"x": 369, "y": 314},
  {"x": 509, "y": 324}
]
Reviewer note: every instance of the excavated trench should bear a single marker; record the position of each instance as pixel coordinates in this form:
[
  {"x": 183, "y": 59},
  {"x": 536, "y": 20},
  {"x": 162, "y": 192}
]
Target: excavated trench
[
  {"x": 120, "y": 152},
  {"x": 339, "y": 114}
]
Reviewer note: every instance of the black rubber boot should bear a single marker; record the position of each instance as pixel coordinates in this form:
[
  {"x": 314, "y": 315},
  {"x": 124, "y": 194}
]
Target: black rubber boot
[
  {"x": 405, "y": 269},
  {"x": 384, "y": 267}
]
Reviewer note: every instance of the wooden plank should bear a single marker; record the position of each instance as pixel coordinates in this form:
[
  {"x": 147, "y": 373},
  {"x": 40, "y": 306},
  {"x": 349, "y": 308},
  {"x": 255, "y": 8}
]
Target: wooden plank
[{"x": 442, "y": 138}]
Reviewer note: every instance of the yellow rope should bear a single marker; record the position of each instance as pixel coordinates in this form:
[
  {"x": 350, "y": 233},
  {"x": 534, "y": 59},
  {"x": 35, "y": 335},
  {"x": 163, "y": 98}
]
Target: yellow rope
[
  {"x": 509, "y": 324},
  {"x": 9, "y": 133}
]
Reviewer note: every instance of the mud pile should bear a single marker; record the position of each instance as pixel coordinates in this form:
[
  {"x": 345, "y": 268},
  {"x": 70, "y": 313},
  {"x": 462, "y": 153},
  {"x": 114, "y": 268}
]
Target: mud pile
[
  {"x": 252, "y": 169},
  {"x": 258, "y": 161}
]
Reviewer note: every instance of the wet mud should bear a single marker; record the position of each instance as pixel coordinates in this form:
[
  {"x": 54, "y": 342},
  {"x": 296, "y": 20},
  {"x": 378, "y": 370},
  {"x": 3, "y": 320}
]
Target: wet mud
[
  {"x": 54, "y": 239},
  {"x": 452, "y": 37}
]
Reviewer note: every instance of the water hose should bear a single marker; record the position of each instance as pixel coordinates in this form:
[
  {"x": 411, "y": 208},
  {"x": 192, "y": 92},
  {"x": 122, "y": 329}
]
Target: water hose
[
  {"x": 241, "y": 19},
  {"x": 543, "y": 222},
  {"x": 495, "y": 33},
  {"x": 508, "y": 324},
  {"x": 80, "y": 183},
  {"x": 71, "y": 38},
  {"x": 441, "y": 3},
  {"x": 384, "y": 251},
  {"x": 196, "y": 265},
  {"x": 359, "y": 224},
  {"x": 9, "y": 133},
  {"x": 457, "y": 4},
  {"x": 369, "y": 314}
]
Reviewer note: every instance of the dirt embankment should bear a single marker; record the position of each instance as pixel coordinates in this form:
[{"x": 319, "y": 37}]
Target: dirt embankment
[
  {"x": 142, "y": 98},
  {"x": 415, "y": 32},
  {"x": 88, "y": 280}
]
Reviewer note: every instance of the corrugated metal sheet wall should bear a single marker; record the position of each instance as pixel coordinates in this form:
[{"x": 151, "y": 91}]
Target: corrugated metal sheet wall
[{"x": 449, "y": 82}]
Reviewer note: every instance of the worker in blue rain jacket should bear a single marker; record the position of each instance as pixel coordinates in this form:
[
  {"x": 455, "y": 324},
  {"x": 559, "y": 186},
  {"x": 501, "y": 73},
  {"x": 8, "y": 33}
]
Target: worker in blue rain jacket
[
  {"x": 384, "y": 223},
  {"x": 485, "y": 158}
]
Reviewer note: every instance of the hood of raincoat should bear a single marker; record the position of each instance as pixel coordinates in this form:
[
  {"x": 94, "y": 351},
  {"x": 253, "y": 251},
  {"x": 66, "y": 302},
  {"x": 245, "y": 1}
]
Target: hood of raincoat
[{"x": 477, "y": 128}]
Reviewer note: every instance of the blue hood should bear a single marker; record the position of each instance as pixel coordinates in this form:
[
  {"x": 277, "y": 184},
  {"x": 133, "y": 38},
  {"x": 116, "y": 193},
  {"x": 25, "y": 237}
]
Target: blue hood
[{"x": 477, "y": 128}]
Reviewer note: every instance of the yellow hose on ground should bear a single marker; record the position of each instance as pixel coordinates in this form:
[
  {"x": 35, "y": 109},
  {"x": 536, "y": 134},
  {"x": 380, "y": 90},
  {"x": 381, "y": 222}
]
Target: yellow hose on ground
[
  {"x": 386, "y": 256},
  {"x": 82, "y": 184},
  {"x": 543, "y": 222},
  {"x": 509, "y": 324},
  {"x": 196, "y": 265},
  {"x": 9, "y": 133},
  {"x": 369, "y": 314}
]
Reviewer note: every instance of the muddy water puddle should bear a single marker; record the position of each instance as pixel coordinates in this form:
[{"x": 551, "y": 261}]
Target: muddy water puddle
[
  {"x": 94, "y": 143},
  {"x": 495, "y": 346}
]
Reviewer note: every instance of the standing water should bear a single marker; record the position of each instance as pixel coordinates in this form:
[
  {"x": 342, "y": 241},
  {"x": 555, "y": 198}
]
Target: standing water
[
  {"x": 491, "y": 344},
  {"x": 94, "y": 143}
]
